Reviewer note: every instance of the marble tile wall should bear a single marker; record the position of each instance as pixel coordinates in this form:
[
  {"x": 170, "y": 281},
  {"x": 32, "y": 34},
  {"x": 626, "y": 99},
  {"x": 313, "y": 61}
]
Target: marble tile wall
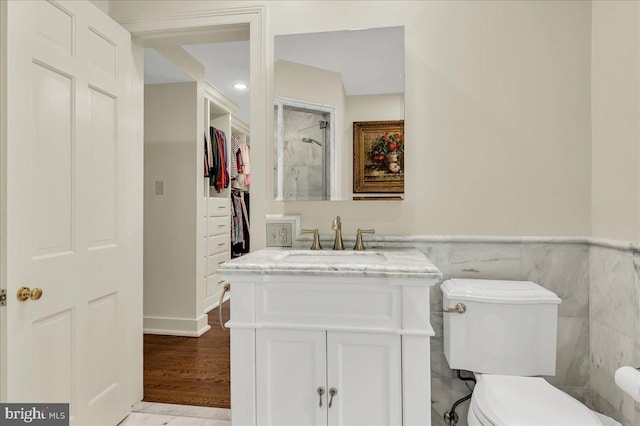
[
  {"x": 561, "y": 268},
  {"x": 615, "y": 329},
  {"x": 303, "y": 162},
  {"x": 599, "y": 318}
]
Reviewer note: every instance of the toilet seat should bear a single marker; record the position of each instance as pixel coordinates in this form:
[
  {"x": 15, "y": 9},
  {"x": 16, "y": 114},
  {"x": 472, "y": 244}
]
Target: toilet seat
[{"x": 514, "y": 400}]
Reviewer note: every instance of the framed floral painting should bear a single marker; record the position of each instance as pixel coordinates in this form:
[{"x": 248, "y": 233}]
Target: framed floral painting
[{"x": 378, "y": 157}]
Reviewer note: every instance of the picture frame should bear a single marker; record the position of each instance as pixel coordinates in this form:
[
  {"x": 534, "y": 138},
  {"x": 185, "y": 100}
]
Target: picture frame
[{"x": 378, "y": 157}]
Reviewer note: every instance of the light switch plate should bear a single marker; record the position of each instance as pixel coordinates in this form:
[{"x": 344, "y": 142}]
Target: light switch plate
[{"x": 159, "y": 187}]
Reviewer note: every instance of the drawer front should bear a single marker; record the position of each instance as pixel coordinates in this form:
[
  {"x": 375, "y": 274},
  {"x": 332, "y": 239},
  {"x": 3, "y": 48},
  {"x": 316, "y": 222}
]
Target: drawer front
[
  {"x": 218, "y": 244},
  {"x": 214, "y": 261},
  {"x": 214, "y": 285},
  {"x": 218, "y": 225},
  {"x": 327, "y": 304},
  {"x": 218, "y": 206}
]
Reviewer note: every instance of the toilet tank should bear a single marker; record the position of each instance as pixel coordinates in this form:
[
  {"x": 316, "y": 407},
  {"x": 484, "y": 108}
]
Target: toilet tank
[{"x": 509, "y": 327}]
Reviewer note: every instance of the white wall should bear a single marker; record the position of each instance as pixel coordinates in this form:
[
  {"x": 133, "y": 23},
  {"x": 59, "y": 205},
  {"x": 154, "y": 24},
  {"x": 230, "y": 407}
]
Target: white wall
[
  {"x": 170, "y": 237},
  {"x": 305, "y": 83},
  {"x": 615, "y": 88},
  {"x": 497, "y": 116}
]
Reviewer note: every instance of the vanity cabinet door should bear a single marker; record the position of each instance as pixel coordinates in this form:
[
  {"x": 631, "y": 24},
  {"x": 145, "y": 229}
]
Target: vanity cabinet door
[
  {"x": 290, "y": 367},
  {"x": 365, "y": 371}
]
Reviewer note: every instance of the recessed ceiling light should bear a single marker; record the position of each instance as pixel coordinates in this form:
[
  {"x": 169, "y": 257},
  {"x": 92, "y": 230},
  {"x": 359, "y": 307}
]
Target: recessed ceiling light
[{"x": 240, "y": 86}]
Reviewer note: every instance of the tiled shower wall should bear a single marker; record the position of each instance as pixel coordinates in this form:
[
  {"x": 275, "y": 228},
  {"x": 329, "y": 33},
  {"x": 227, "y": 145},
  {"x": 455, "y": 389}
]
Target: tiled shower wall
[
  {"x": 303, "y": 162},
  {"x": 599, "y": 317}
]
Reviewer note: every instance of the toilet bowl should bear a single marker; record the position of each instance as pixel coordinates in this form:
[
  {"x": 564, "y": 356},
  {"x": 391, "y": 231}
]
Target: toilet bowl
[
  {"x": 526, "y": 401},
  {"x": 505, "y": 332}
]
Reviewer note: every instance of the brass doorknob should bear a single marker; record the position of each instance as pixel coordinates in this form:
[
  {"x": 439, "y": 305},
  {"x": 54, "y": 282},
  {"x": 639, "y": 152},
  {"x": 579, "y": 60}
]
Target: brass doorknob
[
  {"x": 36, "y": 294},
  {"x": 25, "y": 293}
]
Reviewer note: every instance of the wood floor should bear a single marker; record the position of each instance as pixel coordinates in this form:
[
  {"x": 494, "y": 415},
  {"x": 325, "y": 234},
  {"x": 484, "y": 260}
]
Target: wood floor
[{"x": 188, "y": 370}]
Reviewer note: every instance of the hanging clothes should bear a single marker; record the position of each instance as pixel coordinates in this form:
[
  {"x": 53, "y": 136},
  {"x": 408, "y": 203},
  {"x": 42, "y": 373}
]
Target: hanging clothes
[
  {"x": 246, "y": 169},
  {"x": 240, "y": 229},
  {"x": 208, "y": 155},
  {"x": 235, "y": 147},
  {"x": 240, "y": 166},
  {"x": 216, "y": 159}
]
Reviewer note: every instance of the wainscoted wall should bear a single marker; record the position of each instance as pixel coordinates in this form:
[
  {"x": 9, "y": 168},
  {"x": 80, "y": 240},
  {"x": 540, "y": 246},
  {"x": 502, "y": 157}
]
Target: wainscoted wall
[
  {"x": 599, "y": 318},
  {"x": 560, "y": 265},
  {"x": 615, "y": 327},
  {"x": 561, "y": 268}
]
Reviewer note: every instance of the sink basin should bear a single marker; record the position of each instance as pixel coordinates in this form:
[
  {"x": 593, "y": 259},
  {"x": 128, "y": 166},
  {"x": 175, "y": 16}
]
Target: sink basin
[{"x": 337, "y": 257}]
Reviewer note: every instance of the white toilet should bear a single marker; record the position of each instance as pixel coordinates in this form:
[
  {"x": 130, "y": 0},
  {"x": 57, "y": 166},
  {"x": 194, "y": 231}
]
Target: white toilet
[{"x": 505, "y": 332}]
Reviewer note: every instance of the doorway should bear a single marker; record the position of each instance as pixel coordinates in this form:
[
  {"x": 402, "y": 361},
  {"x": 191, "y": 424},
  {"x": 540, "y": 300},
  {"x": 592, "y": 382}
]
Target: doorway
[{"x": 191, "y": 370}]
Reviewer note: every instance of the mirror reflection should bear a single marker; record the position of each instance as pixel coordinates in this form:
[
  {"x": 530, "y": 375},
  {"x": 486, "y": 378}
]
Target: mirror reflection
[{"x": 323, "y": 83}]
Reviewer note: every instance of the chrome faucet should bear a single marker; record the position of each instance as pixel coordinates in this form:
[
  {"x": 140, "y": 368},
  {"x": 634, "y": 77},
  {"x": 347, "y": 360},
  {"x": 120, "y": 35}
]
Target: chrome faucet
[{"x": 337, "y": 226}]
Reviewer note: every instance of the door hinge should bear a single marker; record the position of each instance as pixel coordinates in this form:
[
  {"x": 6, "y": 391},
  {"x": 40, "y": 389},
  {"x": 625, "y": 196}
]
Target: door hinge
[{"x": 3, "y": 297}]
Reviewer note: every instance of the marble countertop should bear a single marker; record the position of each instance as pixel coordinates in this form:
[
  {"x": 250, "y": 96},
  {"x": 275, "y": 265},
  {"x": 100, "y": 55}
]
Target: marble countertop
[{"x": 384, "y": 263}]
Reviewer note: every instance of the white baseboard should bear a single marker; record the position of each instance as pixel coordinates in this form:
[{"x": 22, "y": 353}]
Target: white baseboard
[{"x": 176, "y": 326}]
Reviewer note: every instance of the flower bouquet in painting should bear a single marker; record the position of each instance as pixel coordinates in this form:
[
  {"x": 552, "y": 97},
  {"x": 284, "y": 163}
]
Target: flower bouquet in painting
[{"x": 387, "y": 151}]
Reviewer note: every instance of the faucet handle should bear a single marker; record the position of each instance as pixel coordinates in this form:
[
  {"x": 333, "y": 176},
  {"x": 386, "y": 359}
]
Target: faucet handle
[
  {"x": 316, "y": 238},
  {"x": 359, "y": 245}
]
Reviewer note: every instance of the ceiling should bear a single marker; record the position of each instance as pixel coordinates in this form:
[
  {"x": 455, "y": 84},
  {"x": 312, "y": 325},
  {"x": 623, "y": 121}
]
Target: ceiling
[
  {"x": 371, "y": 61},
  {"x": 157, "y": 69}
]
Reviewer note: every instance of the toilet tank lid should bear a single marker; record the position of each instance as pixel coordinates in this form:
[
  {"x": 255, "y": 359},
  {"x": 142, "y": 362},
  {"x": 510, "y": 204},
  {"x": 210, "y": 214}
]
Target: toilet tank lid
[{"x": 498, "y": 291}]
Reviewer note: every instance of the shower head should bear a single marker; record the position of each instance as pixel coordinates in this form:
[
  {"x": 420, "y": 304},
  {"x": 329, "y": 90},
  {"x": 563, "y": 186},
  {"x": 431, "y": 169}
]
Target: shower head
[{"x": 309, "y": 140}]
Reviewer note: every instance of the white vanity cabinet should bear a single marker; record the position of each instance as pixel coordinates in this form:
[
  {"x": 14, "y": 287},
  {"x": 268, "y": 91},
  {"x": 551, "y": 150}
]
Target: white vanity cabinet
[
  {"x": 308, "y": 325},
  {"x": 328, "y": 378}
]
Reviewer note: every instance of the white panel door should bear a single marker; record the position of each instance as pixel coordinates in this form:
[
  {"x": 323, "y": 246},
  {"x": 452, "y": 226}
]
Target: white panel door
[
  {"x": 290, "y": 367},
  {"x": 73, "y": 212},
  {"x": 365, "y": 372}
]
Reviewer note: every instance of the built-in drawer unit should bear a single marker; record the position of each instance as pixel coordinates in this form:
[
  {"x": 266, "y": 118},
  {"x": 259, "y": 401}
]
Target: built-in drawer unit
[
  {"x": 310, "y": 302},
  {"x": 217, "y": 243}
]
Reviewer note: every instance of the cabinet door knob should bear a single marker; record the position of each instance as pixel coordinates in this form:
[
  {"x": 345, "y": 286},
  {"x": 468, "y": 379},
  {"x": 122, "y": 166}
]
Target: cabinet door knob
[
  {"x": 320, "y": 391},
  {"x": 332, "y": 392}
]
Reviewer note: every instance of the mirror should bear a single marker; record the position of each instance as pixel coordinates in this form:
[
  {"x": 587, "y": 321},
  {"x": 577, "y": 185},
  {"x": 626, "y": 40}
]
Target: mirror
[{"x": 323, "y": 84}]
